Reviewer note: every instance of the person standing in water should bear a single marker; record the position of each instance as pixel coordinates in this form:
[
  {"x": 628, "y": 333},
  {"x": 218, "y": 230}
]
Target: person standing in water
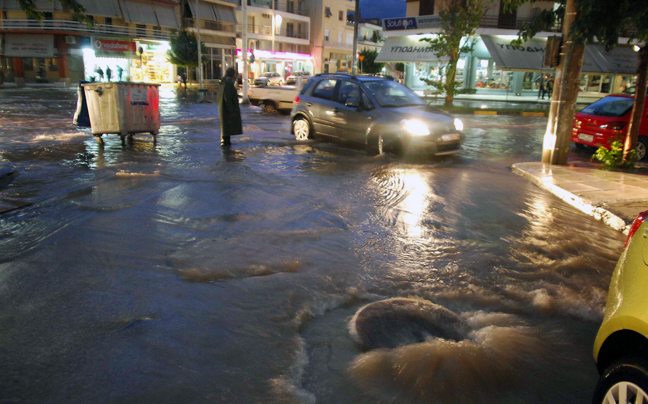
[{"x": 229, "y": 109}]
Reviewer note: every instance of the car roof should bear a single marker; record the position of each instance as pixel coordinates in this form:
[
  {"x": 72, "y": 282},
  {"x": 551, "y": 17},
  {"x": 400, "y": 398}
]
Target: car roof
[{"x": 358, "y": 77}]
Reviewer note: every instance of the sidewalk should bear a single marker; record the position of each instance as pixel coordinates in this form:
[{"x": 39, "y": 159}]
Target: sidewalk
[{"x": 613, "y": 197}]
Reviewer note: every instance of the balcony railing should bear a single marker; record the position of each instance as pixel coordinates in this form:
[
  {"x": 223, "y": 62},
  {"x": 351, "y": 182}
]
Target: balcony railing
[
  {"x": 74, "y": 26},
  {"x": 210, "y": 24},
  {"x": 339, "y": 45},
  {"x": 292, "y": 34},
  {"x": 289, "y": 7}
]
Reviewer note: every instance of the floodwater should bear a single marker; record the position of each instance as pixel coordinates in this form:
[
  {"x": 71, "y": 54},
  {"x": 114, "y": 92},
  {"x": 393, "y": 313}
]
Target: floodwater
[{"x": 286, "y": 272}]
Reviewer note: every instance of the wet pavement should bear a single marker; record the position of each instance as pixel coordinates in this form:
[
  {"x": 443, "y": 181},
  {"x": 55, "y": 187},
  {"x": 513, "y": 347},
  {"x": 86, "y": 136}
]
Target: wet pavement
[{"x": 181, "y": 272}]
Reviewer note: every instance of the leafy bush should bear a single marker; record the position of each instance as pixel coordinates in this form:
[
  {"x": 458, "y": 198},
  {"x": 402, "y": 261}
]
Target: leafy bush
[{"x": 613, "y": 157}]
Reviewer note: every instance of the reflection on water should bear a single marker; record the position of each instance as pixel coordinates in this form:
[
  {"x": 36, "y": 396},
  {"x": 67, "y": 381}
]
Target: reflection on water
[{"x": 180, "y": 271}]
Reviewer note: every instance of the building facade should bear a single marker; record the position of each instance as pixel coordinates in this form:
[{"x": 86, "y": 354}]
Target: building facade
[
  {"x": 495, "y": 66},
  {"x": 127, "y": 41},
  {"x": 278, "y": 35},
  {"x": 332, "y": 34}
]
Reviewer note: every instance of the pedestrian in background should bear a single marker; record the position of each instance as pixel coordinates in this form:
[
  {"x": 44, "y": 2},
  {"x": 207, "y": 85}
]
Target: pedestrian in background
[
  {"x": 550, "y": 85},
  {"x": 108, "y": 73},
  {"x": 542, "y": 89},
  {"x": 228, "y": 108}
]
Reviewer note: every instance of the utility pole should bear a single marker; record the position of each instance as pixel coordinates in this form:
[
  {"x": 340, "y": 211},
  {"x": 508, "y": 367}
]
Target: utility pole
[
  {"x": 200, "y": 75},
  {"x": 244, "y": 45},
  {"x": 356, "y": 17}
]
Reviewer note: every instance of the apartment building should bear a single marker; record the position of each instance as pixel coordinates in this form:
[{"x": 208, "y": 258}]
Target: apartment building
[
  {"x": 128, "y": 40},
  {"x": 369, "y": 35},
  {"x": 278, "y": 35},
  {"x": 332, "y": 34},
  {"x": 495, "y": 66}
]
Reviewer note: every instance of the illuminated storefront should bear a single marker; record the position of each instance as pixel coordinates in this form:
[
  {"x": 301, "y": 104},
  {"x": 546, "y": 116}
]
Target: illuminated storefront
[
  {"x": 283, "y": 63},
  {"x": 152, "y": 66},
  {"x": 124, "y": 60}
]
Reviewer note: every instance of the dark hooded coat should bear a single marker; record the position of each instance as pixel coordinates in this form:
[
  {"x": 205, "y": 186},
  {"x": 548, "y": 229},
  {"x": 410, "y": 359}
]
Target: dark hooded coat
[{"x": 229, "y": 109}]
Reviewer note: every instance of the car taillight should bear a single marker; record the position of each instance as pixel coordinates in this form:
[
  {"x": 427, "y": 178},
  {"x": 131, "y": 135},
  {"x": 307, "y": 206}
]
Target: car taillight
[
  {"x": 296, "y": 100},
  {"x": 614, "y": 125},
  {"x": 635, "y": 226}
]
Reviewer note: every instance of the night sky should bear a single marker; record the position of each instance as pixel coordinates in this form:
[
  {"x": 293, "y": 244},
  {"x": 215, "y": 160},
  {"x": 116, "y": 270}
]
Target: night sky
[{"x": 382, "y": 8}]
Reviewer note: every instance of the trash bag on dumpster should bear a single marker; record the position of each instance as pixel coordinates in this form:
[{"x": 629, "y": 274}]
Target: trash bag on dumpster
[{"x": 81, "y": 116}]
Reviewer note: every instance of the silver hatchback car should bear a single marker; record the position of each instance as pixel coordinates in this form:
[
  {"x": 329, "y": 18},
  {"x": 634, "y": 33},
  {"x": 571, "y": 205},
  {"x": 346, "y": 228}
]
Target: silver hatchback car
[{"x": 377, "y": 113}]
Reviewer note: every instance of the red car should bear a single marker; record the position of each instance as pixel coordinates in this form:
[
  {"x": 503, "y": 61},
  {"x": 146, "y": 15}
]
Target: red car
[{"x": 605, "y": 120}]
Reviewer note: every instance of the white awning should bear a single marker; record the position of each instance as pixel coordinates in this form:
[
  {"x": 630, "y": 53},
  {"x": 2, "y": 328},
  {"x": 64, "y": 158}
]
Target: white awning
[
  {"x": 137, "y": 12},
  {"x": 620, "y": 60},
  {"x": 406, "y": 49},
  {"x": 224, "y": 13},
  {"x": 167, "y": 16},
  {"x": 105, "y": 8},
  {"x": 528, "y": 56}
]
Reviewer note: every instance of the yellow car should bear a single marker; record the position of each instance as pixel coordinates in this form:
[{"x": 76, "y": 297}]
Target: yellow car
[{"x": 621, "y": 345}]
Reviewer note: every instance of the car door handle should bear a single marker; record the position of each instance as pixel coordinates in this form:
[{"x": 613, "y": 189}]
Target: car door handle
[{"x": 308, "y": 104}]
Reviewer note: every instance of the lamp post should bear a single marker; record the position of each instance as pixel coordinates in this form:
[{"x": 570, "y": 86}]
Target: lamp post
[
  {"x": 356, "y": 17},
  {"x": 200, "y": 76},
  {"x": 244, "y": 45}
]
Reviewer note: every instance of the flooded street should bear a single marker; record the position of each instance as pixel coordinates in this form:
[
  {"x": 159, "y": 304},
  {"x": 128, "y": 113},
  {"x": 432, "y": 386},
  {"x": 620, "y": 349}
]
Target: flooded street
[{"x": 286, "y": 272}]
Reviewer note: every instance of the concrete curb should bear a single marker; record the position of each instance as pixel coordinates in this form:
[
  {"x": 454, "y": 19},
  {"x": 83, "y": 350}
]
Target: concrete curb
[{"x": 579, "y": 203}]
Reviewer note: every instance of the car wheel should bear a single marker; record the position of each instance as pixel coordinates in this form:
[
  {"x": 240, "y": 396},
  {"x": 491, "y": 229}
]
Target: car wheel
[
  {"x": 622, "y": 383},
  {"x": 301, "y": 128},
  {"x": 375, "y": 145},
  {"x": 269, "y": 107},
  {"x": 642, "y": 147}
]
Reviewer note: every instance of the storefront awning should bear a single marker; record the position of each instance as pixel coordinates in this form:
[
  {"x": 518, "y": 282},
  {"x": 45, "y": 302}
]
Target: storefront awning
[
  {"x": 620, "y": 60},
  {"x": 138, "y": 13},
  {"x": 528, "y": 56},
  {"x": 166, "y": 16},
  {"x": 105, "y": 8},
  {"x": 406, "y": 49}
]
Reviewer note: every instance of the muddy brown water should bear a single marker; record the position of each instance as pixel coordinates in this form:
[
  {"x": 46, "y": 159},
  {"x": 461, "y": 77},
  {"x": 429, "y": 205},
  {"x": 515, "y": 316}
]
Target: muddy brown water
[{"x": 180, "y": 272}]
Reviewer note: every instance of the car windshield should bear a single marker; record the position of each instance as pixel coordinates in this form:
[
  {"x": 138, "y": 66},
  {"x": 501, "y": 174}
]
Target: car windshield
[
  {"x": 392, "y": 94},
  {"x": 269, "y": 74},
  {"x": 610, "y": 106}
]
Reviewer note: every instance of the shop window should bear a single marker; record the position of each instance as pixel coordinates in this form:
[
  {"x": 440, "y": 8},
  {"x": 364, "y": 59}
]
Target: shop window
[
  {"x": 52, "y": 65},
  {"x": 341, "y": 15},
  {"x": 28, "y": 64},
  {"x": 426, "y": 7},
  {"x": 327, "y": 12},
  {"x": 141, "y": 29}
]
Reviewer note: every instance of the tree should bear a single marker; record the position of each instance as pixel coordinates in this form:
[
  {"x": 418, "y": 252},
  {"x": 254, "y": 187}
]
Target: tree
[
  {"x": 627, "y": 18},
  {"x": 369, "y": 64},
  {"x": 584, "y": 22},
  {"x": 184, "y": 50},
  {"x": 459, "y": 22}
]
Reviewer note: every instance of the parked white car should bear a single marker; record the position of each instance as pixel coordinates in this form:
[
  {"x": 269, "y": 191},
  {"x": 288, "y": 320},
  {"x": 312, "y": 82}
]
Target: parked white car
[
  {"x": 269, "y": 79},
  {"x": 273, "y": 98}
]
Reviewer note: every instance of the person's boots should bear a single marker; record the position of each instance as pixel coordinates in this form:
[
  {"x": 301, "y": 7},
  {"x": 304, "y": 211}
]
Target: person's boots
[{"x": 225, "y": 141}]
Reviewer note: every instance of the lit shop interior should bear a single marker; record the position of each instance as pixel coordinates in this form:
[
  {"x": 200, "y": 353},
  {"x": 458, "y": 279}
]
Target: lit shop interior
[
  {"x": 283, "y": 63},
  {"x": 148, "y": 65}
]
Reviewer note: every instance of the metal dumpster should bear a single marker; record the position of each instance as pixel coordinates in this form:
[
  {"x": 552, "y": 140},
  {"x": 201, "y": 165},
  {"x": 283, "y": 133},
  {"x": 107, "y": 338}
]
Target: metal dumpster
[{"x": 123, "y": 108}]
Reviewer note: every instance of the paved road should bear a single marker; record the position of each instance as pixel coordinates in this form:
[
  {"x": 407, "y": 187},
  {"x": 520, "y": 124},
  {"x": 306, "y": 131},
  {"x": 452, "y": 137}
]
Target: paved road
[{"x": 180, "y": 272}]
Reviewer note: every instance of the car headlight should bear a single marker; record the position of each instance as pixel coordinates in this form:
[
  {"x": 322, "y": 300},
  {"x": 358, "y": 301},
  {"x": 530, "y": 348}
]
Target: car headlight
[
  {"x": 415, "y": 127},
  {"x": 458, "y": 124}
]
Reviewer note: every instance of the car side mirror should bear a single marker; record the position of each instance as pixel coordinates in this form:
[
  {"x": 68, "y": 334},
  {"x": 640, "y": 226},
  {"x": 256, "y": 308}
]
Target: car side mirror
[{"x": 352, "y": 102}]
